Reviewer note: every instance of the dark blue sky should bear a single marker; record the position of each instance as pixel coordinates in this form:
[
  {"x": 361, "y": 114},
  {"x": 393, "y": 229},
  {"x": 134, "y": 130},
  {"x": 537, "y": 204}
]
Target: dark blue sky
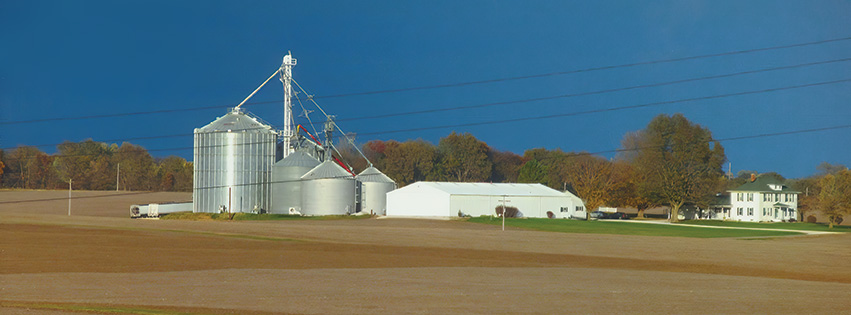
[{"x": 80, "y": 58}]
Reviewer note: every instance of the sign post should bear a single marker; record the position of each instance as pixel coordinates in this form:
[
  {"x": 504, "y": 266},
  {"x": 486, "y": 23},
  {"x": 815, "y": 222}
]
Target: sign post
[
  {"x": 503, "y": 212},
  {"x": 69, "y": 196}
]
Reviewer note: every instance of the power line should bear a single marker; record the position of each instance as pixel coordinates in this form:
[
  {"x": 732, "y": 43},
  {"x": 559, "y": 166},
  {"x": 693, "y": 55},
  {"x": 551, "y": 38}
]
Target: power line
[
  {"x": 511, "y": 120},
  {"x": 458, "y": 84},
  {"x": 606, "y": 91}
]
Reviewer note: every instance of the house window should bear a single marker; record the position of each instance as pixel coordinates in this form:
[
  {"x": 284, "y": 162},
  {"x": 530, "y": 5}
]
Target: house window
[
  {"x": 777, "y": 197},
  {"x": 750, "y": 196},
  {"x": 750, "y": 211},
  {"x": 580, "y": 208},
  {"x": 739, "y": 197},
  {"x": 765, "y": 197},
  {"x": 739, "y": 211},
  {"x": 564, "y": 209}
]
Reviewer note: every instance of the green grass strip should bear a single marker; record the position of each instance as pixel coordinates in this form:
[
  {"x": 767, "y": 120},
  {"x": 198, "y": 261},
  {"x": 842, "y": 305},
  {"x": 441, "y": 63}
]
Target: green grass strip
[
  {"x": 772, "y": 225},
  {"x": 624, "y": 228}
]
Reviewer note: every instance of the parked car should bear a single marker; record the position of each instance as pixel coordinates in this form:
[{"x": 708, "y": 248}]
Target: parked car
[
  {"x": 616, "y": 215},
  {"x": 598, "y": 215}
]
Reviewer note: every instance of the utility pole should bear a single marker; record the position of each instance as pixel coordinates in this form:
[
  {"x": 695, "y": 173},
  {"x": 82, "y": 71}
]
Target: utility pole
[
  {"x": 69, "y": 196},
  {"x": 503, "y": 212},
  {"x": 116, "y": 176}
]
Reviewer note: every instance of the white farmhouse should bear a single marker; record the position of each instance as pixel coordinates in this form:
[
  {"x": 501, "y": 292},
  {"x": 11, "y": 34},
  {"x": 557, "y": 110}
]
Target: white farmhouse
[
  {"x": 762, "y": 199},
  {"x": 444, "y": 199}
]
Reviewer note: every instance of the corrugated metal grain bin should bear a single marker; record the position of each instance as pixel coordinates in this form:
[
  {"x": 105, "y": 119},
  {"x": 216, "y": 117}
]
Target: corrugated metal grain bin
[
  {"x": 286, "y": 181},
  {"x": 328, "y": 189},
  {"x": 374, "y": 186},
  {"x": 233, "y": 164}
]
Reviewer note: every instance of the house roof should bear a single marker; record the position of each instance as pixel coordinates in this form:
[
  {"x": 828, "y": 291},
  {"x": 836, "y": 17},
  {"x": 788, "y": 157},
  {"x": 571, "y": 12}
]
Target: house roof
[
  {"x": 497, "y": 189},
  {"x": 722, "y": 200},
  {"x": 764, "y": 184}
]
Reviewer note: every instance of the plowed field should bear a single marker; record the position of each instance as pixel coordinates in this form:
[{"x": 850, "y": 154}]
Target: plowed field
[{"x": 98, "y": 260}]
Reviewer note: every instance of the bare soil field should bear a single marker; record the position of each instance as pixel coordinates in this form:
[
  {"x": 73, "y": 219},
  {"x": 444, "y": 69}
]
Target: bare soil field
[{"x": 104, "y": 262}]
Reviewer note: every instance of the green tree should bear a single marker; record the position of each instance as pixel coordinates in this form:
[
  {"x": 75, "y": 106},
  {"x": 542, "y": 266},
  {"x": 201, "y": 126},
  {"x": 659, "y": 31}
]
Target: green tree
[
  {"x": 102, "y": 175},
  {"x": 532, "y": 172},
  {"x": 410, "y": 161},
  {"x": 506, "y": 166},
  {"x": 76, "y": 161},
  {"x": 552, "y": 161},
  {"x": 678, "y": 162},
  {"x": 464, "y": 158},
  {"x": 138, "y": 170},
  {"x": 174, "y": 174}
]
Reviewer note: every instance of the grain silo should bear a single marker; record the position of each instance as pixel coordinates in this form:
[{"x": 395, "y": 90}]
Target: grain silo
[
  {"x": 286, "y": 181},
  {"x": 233, "y": 164},
  {"x": 328, "y": 189},
  {"x": 374, "y": 186}
]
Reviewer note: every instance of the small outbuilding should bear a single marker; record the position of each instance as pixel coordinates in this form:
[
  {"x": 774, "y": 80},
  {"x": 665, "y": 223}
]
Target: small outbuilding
[{"x": 444, "y": 199}]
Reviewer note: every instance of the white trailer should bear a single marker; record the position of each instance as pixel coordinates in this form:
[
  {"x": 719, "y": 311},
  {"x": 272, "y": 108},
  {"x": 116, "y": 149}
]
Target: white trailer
[{"x": 154, "y": 210}]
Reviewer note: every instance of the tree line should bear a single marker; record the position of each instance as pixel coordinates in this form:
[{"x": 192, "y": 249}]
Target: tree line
[
  {"x": 672, "y": 162},
  {"x": 91, "y": 165}
]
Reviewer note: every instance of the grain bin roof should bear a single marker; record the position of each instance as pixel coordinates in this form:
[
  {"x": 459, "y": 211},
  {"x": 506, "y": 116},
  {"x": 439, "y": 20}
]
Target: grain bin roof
[
  {"x": 328, "y": 169},
  {"x": 298, "y": 159},
  {"x": 491, "y": 189},
  {"x": 237, "y": 121},
  {"x": 373, "y": 175}
]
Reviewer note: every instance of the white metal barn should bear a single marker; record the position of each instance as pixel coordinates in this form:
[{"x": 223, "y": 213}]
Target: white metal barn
[{"x": 443, "y": 199}]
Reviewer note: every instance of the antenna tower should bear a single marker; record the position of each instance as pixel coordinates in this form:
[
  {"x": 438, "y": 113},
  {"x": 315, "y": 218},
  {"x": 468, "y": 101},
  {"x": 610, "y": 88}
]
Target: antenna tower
[{"x": 286, "y": 72}]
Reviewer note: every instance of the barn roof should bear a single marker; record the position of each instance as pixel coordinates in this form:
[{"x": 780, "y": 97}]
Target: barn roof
[{"x": 493, "y": 189}]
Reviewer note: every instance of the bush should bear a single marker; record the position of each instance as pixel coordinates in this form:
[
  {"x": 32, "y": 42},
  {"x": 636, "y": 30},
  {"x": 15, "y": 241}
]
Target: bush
[{"x": 510, "y": 212}]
